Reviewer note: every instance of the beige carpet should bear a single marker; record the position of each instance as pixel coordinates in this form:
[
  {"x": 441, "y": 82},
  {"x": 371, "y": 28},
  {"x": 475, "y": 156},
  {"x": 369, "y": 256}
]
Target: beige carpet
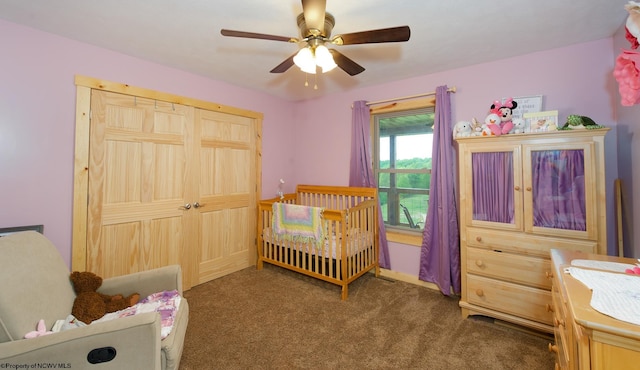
[{"x": 278, "y": 319}]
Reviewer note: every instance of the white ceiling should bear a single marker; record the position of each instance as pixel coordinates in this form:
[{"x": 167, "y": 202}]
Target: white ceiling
[{"x": 185, "y": 34}]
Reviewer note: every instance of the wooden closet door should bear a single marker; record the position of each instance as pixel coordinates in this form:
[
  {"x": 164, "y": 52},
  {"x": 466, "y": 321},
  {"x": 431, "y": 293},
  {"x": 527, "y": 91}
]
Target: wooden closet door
[
  {"x": 140, "y": 178},
  {"x": 227, "y": 188}
]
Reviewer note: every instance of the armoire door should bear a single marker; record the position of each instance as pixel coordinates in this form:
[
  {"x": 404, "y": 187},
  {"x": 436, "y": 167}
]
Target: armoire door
[{"x": 140, "y": 166}]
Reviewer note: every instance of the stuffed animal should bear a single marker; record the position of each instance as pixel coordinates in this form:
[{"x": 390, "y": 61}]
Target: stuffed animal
[
  {"x": 476, "y": 127},
  {"x": 505, "y": 112},
  {"x": 518, "y": 126},
  {"x": 41, "y": 330},
  {"x": 577, "y": 122},
  {"x": 90, "y": 305},
  {"x": 492, "y": 125},
  {"x": 632, "y": 25},
  {"x": 462, "y": 129}
]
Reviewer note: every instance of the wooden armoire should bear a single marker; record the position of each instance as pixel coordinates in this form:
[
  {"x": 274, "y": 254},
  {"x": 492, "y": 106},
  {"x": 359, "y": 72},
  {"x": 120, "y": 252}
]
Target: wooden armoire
[
  {"x": 521, "y": 196},
  {"x": 162, "y": 179}
]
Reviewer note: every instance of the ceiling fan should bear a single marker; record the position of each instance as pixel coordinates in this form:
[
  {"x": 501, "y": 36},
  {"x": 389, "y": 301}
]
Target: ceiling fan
[{"x": 315, "y": 26}]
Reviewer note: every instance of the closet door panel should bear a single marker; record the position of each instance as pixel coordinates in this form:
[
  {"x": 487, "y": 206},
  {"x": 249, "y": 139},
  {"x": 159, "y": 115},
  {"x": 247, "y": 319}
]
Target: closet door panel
[
  {"x": 123, "y": 252},
  {"x": 227, "y": 193},
  {"x": 138, "y": 184}
]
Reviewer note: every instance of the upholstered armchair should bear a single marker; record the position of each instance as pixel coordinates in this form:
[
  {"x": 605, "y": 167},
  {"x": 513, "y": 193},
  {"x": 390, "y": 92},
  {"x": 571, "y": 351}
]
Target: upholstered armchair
[{"x": 35, "y": 285}]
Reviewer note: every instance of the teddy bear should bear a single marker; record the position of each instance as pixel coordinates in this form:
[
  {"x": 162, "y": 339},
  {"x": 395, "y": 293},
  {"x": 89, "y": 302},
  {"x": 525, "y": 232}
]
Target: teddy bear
[
  {"x": 90, "y": 305},
  {"x": 505, "y": 111}
]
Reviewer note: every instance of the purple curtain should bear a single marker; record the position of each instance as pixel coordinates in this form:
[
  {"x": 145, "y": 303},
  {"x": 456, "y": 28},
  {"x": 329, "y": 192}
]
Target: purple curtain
[
  {"x": 493, "y": 187},
  {"x": 361, "y": 173},
  {"x": 440, "y": 253},
  {"x": 558, "y": 189}
]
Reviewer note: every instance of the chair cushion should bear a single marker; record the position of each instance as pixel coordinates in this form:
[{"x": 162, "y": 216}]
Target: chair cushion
[{"x": 35, "y": 284}]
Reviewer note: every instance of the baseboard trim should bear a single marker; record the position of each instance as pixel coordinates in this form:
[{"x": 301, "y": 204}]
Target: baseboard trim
[{"x": 411, "y": 279}]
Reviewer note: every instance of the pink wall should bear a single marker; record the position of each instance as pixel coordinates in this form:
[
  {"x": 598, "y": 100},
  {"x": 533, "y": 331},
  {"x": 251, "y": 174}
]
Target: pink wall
[
  {"x": 37, "y": 124},
  {"x": 574, "y": 80},
  {"x": 38, "y": 104},
  {"x": 628, "y": 143}
]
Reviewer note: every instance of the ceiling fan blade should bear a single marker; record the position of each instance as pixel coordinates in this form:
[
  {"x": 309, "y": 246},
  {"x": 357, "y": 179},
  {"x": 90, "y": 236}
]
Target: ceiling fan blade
[
  {"x": 314, "y": 11},
  {"x": 284, "y": 66},
  {"x": 346, "y": 64},
  {"x": 393, "y": 34},
  {"x": 253, "y": 35}
]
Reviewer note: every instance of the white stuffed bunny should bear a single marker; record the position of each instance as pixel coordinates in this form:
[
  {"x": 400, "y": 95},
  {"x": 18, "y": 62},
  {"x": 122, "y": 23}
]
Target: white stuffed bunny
[{"x": 462, "y": 129}]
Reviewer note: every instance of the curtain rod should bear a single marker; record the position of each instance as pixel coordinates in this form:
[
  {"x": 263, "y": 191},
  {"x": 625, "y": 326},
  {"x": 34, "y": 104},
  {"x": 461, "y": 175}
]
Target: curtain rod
[{"x": 451, "y": 89}]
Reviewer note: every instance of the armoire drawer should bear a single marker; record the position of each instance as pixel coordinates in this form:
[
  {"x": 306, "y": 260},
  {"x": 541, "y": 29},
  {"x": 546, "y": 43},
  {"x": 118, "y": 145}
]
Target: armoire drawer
[
  {"x": 510, "y": 298},
  {"x": 534, "y": 245},
  {"x": 532, "y": 271}
]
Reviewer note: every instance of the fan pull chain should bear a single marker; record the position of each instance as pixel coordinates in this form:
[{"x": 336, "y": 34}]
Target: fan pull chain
[
  {"x": 315, "y": 81},
  {"x": 306, "y": 82}
]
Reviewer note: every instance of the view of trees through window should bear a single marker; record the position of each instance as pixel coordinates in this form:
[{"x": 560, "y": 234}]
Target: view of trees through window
[{"x": 403, "y": 166}]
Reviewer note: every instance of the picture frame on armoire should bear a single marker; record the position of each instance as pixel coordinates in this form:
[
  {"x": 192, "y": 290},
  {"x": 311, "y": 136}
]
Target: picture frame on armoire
[
  {"x": 11, "y": 230},
  {"x": 542, "y": 121},
  {"x": 526, "y": 104}
]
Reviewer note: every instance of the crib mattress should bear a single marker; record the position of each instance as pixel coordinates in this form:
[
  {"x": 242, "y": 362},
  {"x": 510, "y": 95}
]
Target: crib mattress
[{"x": 357, "y": 241}]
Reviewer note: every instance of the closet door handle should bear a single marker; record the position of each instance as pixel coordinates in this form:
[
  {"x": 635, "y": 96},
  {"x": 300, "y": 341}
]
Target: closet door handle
[
  {"x": 186, "y": 206},
  {"x": 197, "y": 205}
]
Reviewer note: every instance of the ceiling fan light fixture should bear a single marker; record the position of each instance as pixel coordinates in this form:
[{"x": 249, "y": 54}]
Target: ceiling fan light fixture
[
  {"x": 324, "y": 59},
  {"x": 305, "y": 60}
]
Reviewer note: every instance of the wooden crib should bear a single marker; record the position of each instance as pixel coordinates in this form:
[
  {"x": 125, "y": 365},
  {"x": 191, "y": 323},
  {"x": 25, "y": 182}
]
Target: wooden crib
[{"x": 350, "y": 224}]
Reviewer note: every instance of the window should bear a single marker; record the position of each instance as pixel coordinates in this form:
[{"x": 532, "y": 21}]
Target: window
[{"x": 402, "y": 165}]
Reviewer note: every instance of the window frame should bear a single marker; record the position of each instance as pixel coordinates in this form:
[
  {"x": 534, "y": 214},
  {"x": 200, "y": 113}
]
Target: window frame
[{"x": 397, "y": 234}]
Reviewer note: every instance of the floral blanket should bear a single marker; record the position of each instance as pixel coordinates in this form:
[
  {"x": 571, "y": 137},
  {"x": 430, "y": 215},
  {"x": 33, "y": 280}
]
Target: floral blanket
[{"x": 166, "y": 303}]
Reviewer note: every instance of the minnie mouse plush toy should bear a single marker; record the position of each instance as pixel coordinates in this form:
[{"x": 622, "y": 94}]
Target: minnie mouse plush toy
[{"x": 504, "y": 111}]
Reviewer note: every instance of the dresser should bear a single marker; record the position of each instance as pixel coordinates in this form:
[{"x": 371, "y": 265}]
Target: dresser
[
  {"x": 521, "y": 196},
  {"x": 584, "y": 337}
]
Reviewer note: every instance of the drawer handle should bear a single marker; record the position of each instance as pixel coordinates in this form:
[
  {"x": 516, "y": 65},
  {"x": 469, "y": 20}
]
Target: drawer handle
[
  {"x": 557, "y": 322},
  {"x": 549, "y": 275},
  {"x": 478, "y": 239},
  {"x": 479, "y": 263},
  {"x": 479, "y": 292},
  {"x": 550, "y": 308},
  {"x": 553, "y": 348}
]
